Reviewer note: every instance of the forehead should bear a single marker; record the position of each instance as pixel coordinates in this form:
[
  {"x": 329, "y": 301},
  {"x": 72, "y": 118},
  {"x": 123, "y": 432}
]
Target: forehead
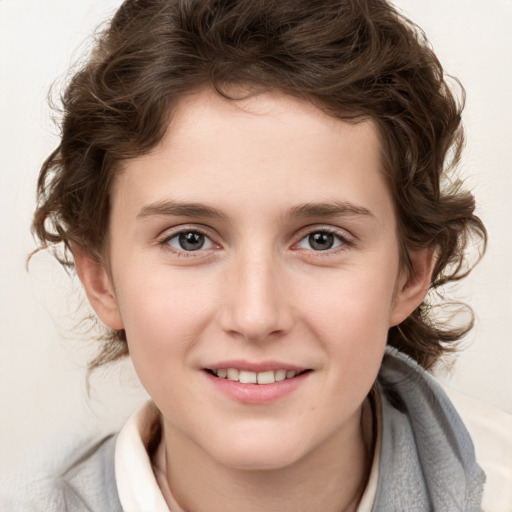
[
  {"x": 270, "y": 149},
  {"x": 264, "y": 114}
]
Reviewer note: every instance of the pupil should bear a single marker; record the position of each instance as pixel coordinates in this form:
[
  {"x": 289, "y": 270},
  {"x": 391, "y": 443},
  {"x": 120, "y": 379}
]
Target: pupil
[
  {"x": 321, "y": 241},
  {"x": 191, "y": 241}
]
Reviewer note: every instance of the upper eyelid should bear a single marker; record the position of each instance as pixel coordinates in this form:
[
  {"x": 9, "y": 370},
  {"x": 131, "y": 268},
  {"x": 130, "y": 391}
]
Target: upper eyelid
[
  {"x": 335, "y": 230},
  {"x": 184, "y": 228}
]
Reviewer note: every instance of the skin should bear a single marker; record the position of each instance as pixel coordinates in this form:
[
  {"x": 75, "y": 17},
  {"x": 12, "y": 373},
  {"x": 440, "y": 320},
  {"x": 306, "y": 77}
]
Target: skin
[{"x": 258, "y": 290}]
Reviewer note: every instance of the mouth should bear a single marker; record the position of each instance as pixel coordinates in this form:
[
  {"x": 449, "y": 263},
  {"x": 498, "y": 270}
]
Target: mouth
[{"x": 250, "y": 377}]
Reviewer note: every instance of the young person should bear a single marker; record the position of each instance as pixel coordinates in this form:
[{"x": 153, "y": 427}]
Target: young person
[{"x": 257, "y": 199}]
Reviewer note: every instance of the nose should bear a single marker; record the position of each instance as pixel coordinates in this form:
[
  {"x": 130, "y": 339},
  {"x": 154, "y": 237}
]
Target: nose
[{"x": 256, "y": 305}]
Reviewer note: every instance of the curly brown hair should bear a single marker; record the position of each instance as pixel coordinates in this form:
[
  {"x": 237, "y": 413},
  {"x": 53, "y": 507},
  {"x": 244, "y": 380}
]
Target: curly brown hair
[{"x": 355, "y": 59}]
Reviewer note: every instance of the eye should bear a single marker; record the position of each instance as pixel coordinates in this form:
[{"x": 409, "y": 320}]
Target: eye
[
  {"x": 189, "y": 241},
  {"x": 321, "y": 241}
]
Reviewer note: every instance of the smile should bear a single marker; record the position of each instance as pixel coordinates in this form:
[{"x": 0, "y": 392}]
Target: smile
[
  {"x": 248, "y": 377},
  {"x": 254, "y": 383}
]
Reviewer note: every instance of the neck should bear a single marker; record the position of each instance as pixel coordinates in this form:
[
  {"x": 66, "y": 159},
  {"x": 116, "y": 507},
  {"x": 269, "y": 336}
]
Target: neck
[{"x": 332, "y": 478}]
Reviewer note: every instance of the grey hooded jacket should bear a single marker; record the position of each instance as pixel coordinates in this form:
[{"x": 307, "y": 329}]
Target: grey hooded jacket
[{"x": 427, "y": 457}]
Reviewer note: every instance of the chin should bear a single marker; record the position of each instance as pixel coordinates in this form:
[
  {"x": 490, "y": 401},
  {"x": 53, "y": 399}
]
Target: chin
[{"x": 256, "y": 453}]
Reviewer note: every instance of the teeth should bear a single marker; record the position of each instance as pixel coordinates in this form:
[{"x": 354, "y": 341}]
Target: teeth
[
  {"x": 233, "y": 374},
  {"x": 246, "y": 377},
  {"x": 266, "y": 377},
  {"x": 280, "y": 375}
]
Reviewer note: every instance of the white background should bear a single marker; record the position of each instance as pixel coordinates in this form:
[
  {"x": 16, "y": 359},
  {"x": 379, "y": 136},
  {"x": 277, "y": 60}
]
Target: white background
[{"x": 42, "y": 362}]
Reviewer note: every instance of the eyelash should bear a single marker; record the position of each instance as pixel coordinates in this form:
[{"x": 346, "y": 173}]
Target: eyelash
[
  {"x": 165, "y": 241},
  {"x": 345, "y": 242}
]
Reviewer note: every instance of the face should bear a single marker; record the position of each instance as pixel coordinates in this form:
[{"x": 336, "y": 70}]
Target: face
[{"x": 257, "y": 240}]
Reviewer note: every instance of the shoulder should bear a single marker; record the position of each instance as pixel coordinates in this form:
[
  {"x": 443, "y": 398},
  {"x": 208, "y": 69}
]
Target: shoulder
[
  {"x": 90, "y": 479},
  {"x": 427, "y": 456},
  {"x": 491, "y": 431},
  {"x": 83, "y": 482}
]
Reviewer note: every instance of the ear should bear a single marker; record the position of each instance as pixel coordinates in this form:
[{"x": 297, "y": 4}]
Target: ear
[
  {"x": 97, "y": 283},
  {"x": 413, "y": 285}
]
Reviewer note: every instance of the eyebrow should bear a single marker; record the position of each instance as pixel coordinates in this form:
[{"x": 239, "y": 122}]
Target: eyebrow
[
  {"x": 171, "y": 208},
  {"x": 329, "y": 209},
  {"x": 306, "y": 210}
]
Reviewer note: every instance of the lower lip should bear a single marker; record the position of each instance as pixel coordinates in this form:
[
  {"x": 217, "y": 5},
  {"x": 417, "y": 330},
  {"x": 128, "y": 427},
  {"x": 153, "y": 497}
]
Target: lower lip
[{"x": 256, "y": 393}]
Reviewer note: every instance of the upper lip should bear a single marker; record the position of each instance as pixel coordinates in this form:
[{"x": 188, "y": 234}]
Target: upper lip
[{"x": 257, "y": 367}]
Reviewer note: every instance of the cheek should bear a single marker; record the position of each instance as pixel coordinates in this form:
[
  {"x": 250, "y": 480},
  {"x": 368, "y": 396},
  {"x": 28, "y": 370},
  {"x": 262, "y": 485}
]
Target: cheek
[
  {"x": 351, "y": 318},
  {"x": 353, "y": 301},
  {"x": 162, "y": 318}
]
